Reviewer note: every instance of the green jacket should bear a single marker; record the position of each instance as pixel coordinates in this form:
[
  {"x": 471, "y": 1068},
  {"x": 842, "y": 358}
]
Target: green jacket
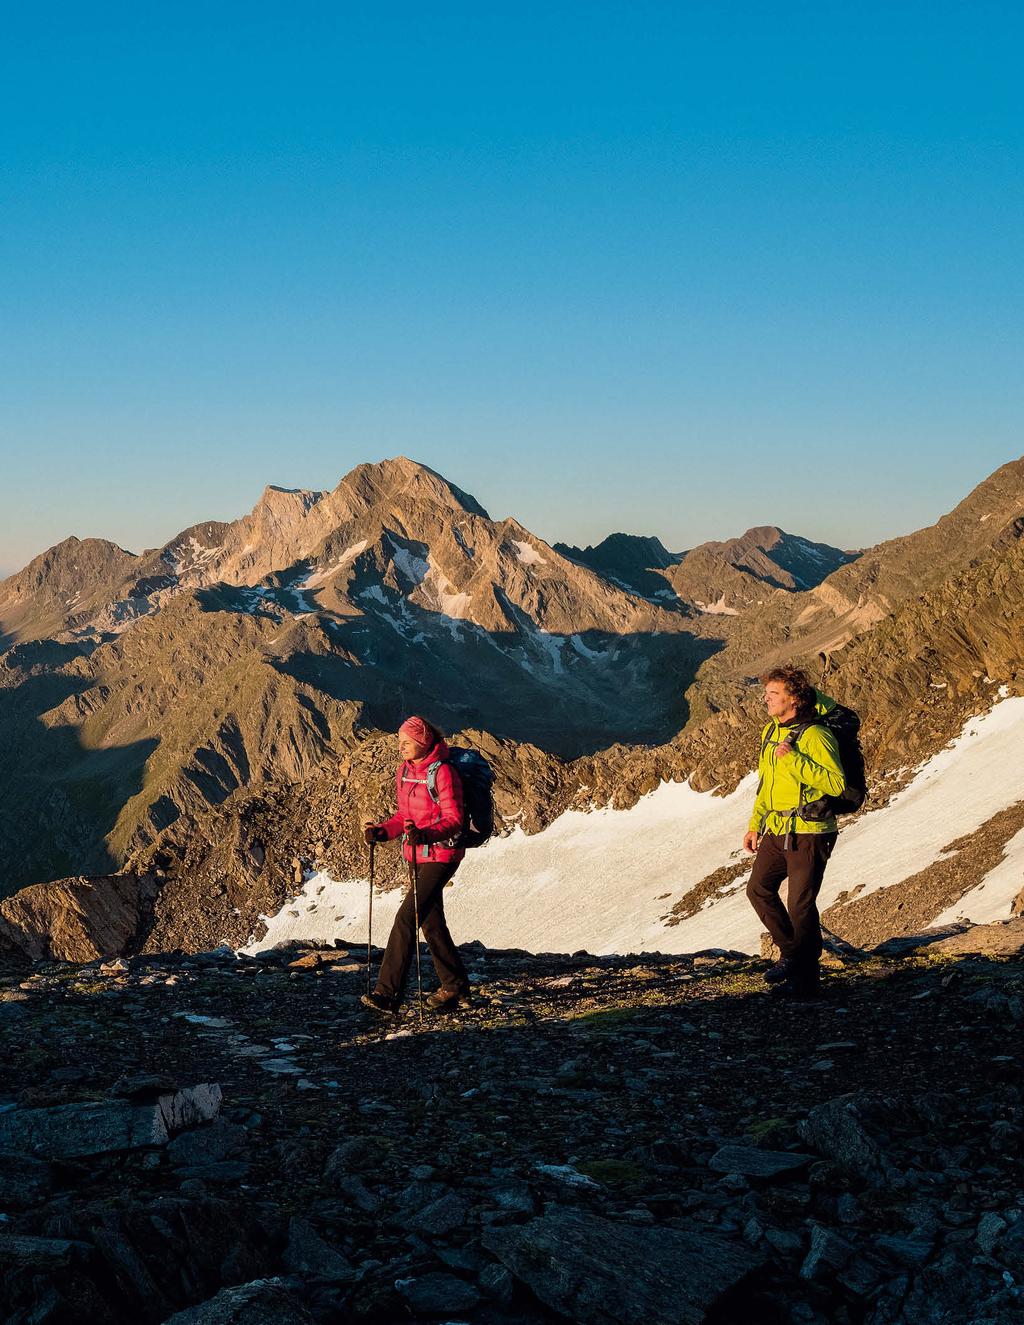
[{"x": 812, "y": 769}]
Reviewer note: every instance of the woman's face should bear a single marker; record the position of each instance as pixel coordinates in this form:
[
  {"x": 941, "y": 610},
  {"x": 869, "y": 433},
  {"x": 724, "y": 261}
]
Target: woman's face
[{"x": 410, "y": 749}]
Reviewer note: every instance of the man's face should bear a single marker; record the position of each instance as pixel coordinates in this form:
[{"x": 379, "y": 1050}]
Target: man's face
[{"x": 778, "y": 701}]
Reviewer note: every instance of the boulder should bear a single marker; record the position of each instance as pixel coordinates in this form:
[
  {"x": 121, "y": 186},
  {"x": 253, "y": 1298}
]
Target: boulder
[
  {"x": 754, "y": 1163},
  {"x": 208, "y": 1145},
  {"x": 828, "y": 1251},
  {"x": 262, "y": 1302},
  {"x": 191, "y": 1106},
  {"x": 440, "y": 1218},
  {"x": 308, "y": 1253},
  {"x": 71, "y": 1131},
  {"x": 598, "y": 1272},
  {"x": 48, "y": 1254},
  {"x": 835, "y": 1130},
  {"x": 438, "y": 1294}
]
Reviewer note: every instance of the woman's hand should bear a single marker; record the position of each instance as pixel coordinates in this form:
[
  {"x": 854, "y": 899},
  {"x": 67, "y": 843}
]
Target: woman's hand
[
  {"x": 371, "y": 831},
  {"x": 412, "y": 833}
]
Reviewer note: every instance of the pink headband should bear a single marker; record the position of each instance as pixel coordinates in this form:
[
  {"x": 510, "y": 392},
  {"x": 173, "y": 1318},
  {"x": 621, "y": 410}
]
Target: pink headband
[{"x": 418, "y": 730}]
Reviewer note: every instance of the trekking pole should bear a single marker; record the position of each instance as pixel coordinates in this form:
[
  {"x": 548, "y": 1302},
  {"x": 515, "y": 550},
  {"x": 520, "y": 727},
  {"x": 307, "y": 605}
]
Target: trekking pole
[
  {"x": 414, "y": 876},
  {"x": 369, "y": 923}
]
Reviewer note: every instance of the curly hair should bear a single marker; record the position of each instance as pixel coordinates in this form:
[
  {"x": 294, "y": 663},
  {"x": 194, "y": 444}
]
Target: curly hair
[{"x": 797, "y": 683}]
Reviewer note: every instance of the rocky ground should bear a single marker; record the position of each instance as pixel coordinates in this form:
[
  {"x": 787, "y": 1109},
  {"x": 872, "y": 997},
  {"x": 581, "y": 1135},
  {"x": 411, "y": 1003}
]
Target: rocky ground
[{"x": 208, "y": 1140}]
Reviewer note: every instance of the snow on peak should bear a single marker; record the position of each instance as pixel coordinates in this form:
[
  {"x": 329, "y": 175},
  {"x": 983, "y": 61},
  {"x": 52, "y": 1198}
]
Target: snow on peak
[
  {"x": 414, "y": 568},
  {"x": 315, "y": 578},
  {"x": 527, "y": 554}
]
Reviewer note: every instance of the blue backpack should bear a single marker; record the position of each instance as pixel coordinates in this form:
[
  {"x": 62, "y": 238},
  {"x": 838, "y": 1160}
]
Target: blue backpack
[{"x": 477, "y": 778}]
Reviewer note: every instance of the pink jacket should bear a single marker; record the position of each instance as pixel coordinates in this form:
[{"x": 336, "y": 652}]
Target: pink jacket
[{"x": 438, "y": 821}]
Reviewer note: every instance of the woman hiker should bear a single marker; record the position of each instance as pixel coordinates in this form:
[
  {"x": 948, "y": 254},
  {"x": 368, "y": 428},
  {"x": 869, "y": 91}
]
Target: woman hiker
[{"x": 429, "y": 827}]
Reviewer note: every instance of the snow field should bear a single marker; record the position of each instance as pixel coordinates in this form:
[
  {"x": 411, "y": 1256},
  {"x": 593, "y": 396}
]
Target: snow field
[{"x": 603, "y": 880}]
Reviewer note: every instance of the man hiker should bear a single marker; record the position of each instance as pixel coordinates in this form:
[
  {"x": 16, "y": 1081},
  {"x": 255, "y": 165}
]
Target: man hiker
[{"x": 799, "y": 763}]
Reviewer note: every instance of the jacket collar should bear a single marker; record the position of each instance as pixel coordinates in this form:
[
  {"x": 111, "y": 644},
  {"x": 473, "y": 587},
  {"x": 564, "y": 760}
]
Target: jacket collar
[
  {"x": 801, "y": 719},
  {"x": 440, "y": 751}
]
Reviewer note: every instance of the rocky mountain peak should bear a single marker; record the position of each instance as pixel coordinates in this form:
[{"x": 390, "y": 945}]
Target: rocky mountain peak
[
  {"x": 69, "y": 563},
  {"x": 633, "y": 562},
  {"x": 288, "y": 501},
  {"x": 68, "y": 578},
  {"x": 779, "y": 559},
  {"x": 391, "y": 482}
]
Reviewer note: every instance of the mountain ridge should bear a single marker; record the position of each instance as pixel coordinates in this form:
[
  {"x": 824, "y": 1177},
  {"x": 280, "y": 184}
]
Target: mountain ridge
[{"x": 224, "y": 717}]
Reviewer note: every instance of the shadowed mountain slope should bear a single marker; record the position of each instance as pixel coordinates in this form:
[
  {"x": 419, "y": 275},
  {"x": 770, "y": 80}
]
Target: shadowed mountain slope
[{"x": 247, "y": 653}]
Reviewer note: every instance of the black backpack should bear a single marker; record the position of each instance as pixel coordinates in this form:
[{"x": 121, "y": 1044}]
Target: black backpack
[
  {"x": 477, "y": 779},
  {"x": 844, "y": 724}
]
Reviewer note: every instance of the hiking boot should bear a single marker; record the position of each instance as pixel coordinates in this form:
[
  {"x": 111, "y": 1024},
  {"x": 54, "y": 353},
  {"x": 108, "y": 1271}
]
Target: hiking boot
[
  {"x": 779, "y": 972},
  {"x": 379, "y": 1002},
  {"x": 800, "y": 986},
  {"x": 445, "y": 999}
]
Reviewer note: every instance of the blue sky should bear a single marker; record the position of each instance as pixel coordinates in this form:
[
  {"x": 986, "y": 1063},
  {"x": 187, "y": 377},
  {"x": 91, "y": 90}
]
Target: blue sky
[{"x": 670, "y": 268}]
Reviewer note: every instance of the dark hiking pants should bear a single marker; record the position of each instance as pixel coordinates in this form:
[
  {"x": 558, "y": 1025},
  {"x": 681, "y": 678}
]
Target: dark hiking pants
[
  {"x": 398, "y": 955},
  {"x": 795, "y": 927}
]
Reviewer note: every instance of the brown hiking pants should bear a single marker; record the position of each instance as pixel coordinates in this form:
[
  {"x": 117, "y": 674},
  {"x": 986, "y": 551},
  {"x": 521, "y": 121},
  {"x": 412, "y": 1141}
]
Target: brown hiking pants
[{"x": 795, "y": 927}]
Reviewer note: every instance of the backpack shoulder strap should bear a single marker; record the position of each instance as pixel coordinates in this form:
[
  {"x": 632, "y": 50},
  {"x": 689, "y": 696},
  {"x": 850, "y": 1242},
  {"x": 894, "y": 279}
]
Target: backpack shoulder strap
[{"x": 432, "y": 772}]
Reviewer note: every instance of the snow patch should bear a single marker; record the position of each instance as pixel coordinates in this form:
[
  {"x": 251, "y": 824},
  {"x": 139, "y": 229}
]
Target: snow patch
[
  {"x": 451, "y": 603},
  {"x": 993, "y": 898},
  {"x": 315, "y": 578},
  {"x": 200, "y": 552},
  {"x": 717, "y": 609},
  {"x": 527, "y": 554},
  {"x": 455, "y": 604},
  {"x": 414, "y": 568},
  {"x": 582, "y": 649},
  {"x": 956, "y": 791},
  {"x": 523, "y": 891}
]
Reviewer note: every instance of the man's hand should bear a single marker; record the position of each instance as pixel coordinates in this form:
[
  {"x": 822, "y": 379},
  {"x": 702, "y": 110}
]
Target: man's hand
[
  {"x": 750, "y": 842},
  {"x": 783, "y": 748},
  {"x": 412, "y": 833}
]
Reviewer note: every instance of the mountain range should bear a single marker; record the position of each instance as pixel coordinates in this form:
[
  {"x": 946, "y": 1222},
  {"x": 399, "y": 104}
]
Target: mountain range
[{"x": 203, "y": 722}]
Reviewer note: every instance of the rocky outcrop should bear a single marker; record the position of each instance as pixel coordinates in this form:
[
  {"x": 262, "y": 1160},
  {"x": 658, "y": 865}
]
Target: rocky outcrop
[
  {"x": 594, "y": 1271},
  {"x": 78, "y": 919}
]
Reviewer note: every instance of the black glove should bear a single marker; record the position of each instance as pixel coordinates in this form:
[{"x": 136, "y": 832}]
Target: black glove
[
  {"x": 412, "y": 834},
  {"x": 374, "y": 834}
]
